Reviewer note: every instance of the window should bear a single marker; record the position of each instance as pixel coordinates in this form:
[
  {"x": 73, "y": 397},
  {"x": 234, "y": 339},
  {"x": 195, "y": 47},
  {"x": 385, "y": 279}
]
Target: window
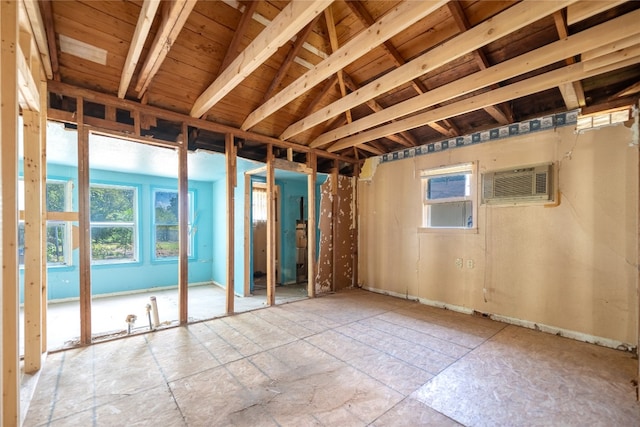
[
  {"x": 448, "y": 197},
  {"x": 165, "y": 204},
  {"x": 113, "y": 223},
  {"x": 58, "y": 232},
  {"x": 259, "y": 203}
]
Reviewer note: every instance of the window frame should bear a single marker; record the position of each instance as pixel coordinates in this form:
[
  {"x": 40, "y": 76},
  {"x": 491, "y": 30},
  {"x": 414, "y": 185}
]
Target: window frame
[
  {"x": 190, "y": 224},
  {"x": 67, "y": 250},
  {"x": 469, "y": 169},
  {"x": 117, "y": 224}
]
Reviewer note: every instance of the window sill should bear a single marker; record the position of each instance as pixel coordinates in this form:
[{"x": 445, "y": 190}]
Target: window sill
[{"x": 444, "y": 230}]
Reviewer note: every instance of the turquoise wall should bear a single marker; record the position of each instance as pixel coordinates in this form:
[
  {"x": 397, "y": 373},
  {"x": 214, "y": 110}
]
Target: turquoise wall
[
  {"x": 209, "y": 258},
  {"x": 147, "y": 271}
]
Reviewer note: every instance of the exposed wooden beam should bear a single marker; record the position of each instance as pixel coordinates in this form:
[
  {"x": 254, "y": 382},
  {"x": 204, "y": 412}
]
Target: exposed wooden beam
[
  {"x": 43, "y": 218},
  {"x": 596, "y": 37},
  {"x": 403, "y": 138},
  {"x": 363, "y": 15},
  {"x": 174, "y": 15},
  {"x": 10, "y": 373},
  {"x": 629, "y": 90},
  {"x": 522, "y": 88},
  {"x": 47, "y": 17},
  {"x": 33, "y": 254},
  {"x": 291, "y": 56},
  {"x": 231, "y": 172},
  {"x": 39, "y": 34},
  {"x": 572, "y": 93},
  {"x": 505, "y": 23},
  {"x": 586, "y": 9},
  {"x": 234, "y": 47},
  {"x": 322, "y": 95},
  {"x": 333, "y": 41},
  {"x": 152, "y": 112},
  {"x": 84, "y": 226},
  {"x": 145, "y": 19},
  {"x": 406, "y": 14},
  {"x": 183, "y": 229},
  {"x": 287, "y": 24},
  {"x": 271, "y": 229},
  {"x": 481, "y": 59},
  {"x": 311, "y": 225}
]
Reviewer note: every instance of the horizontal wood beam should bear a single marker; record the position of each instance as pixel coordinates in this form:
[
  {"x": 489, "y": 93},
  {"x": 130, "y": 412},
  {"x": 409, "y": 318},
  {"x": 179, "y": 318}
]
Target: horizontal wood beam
[
  {"x": 406, "y": 14},
  {"x": 160, "y": 113},
  {"x": 586, "y": 9},
  {"x": 505, "y": 23},
  {"x": 286, "y": 25},
  {"x": 522, "y": 88},
  {"x": 174, "y": 16},
  {"x": 602, "y": 35},
  {"x": 145, "y": 19}
]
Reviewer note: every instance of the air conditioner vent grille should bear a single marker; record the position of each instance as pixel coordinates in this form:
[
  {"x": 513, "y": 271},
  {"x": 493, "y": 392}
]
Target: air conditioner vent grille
[
  {"x": 521, "y": 185},
  {"x": 541, "y": 183},
  {"x": 512, "y": 185}
]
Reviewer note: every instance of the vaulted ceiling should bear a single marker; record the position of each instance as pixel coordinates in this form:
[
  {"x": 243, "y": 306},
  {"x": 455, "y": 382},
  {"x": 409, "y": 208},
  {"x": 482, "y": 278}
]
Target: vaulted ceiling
[{"x": 358, "y": 78}]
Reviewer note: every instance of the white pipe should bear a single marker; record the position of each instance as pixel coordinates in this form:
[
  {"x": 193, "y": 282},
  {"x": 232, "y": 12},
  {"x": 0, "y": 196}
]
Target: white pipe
[{"x": 154, "y": 308}]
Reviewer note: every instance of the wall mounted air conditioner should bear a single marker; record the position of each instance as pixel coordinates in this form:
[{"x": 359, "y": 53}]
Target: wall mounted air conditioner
[{"x": 522, "y": 185}]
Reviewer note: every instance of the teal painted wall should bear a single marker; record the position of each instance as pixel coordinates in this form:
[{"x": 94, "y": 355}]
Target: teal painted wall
[{"x": 147, "y": 271}]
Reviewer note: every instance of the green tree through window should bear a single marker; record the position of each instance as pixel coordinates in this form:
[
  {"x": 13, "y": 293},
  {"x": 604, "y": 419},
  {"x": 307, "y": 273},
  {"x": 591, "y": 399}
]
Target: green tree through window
[{"x": 113, "y": 223}]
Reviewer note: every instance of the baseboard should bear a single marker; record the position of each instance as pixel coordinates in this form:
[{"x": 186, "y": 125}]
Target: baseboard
[{"x": 578, "y": 336}]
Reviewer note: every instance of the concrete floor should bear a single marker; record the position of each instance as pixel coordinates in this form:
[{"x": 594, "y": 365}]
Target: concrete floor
[{"x": 352, "y": 358}]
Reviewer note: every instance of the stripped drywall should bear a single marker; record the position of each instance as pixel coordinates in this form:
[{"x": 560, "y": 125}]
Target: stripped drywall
[{"x": 339, "y": 264}]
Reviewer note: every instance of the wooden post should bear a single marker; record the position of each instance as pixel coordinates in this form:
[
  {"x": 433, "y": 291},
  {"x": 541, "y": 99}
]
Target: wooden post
[
  {"x": 230, "y": 157},
  {"x": 248, "y": 189},
  {"x": 311, "y": 225},
  {"x": 355, "y": 236},
  {"x": 33, "y": 259},
  {"x": 10, "y": 407},
  {"x": 334, "y": 223},
  {"x": 84, "y": 226},
  {"x": 183, "y": 218},
  {"x": 271, "y": 234},
  {"x": 43, "y": 219}
]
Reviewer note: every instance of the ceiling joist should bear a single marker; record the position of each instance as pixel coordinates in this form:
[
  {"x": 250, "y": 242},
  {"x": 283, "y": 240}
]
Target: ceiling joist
[
  {"x": 505, "y": 23},
  {"x": 522, "y": 88},
  {"x": 603, "y": 36},
  {"x": 406, "y": 14}
]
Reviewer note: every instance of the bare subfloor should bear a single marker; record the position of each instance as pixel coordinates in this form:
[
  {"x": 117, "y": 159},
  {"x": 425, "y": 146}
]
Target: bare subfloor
[{"x": 352, "y": 358}]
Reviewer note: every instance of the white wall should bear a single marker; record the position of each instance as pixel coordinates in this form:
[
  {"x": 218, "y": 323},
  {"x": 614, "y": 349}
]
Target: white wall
[{"x": 572, "y": 266}]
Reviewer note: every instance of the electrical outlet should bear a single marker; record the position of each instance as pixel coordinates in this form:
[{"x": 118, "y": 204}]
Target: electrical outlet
[
  {"x": 470, "y": 263},
  {"x": 459, "y": 262}
]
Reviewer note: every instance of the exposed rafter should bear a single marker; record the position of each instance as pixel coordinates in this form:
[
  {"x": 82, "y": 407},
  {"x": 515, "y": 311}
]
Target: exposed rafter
[
  {"x": 287, "y": 24},
  {"x": 505, "y": 23},
  {"x": 603, "y": 39},
  {"x": 522, "y": 88},
  {"x": 47, "y": 18},
  {"x": 174, "y": 15},
  {"x": 291, "y": 56},
  {"x": 502, "y": 114},
  {"x": 399, "y": 19},
  {"x": 238, "y": 34},
  {"x": 145, "y": 19},
  {"x": 40, "y": 34},
  {"x": 447, "y": 128},
  {"x": 333, "y": 41},
  {"x": 572, "y": 93}
]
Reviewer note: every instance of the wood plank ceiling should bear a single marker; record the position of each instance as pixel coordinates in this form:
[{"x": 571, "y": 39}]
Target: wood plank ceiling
[{"x": 358, "y": 78}]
